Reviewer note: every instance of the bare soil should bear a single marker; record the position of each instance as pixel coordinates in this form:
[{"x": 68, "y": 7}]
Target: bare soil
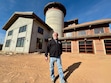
[{"x": 78, "y": 68}]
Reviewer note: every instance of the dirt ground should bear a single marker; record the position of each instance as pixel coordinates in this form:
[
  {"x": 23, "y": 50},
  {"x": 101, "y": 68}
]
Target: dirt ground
[{"x": 32, "y": 68}]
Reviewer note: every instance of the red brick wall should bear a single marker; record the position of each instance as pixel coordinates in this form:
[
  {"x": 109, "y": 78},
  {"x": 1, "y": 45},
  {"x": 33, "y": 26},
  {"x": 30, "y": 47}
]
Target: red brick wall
[
  {"x": 75, "y": 34},
  {"x": 74, "y": 47},
  {"x": 106, "y": 30},
  {"x": 89, "y": 32},
  {"x": 99, "y": 47}
]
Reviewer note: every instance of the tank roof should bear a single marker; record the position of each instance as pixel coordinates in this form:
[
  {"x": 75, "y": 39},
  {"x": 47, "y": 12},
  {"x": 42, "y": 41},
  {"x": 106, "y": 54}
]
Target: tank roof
[{"x": 55, "y": 5}]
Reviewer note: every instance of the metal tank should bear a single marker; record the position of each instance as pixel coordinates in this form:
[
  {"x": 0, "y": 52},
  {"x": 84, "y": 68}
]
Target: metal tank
[{"x": 55, "y": 13}]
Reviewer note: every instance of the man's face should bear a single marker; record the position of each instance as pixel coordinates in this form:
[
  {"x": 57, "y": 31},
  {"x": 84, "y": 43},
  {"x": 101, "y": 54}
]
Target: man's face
[{"x": 55, "y": 35}]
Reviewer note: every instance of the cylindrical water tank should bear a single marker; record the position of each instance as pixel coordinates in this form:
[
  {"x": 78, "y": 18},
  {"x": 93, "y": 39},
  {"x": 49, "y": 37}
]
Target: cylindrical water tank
[{"x": 55, "y": 13}]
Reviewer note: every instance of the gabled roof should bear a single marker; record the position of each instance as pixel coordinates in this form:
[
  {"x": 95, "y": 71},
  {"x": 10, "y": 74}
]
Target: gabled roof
[
  {"x": 97, "y": 22},
  {"x": 16, "y": 15}
]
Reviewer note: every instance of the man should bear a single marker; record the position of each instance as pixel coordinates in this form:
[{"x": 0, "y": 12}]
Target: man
[{"x": 54, "y": 48}]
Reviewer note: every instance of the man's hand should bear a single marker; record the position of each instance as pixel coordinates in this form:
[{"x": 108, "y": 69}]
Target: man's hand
[{"x": 46, "y": 58}]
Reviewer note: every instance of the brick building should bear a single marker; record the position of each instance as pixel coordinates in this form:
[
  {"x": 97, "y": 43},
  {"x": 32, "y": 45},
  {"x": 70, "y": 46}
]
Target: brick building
[{"x": 90, "y": 37}]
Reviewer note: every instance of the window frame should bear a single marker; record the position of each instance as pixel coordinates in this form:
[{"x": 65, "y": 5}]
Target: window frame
[
  {"x": 66, "y": 46},
  {"x": 107, "y": 43},
  {"x": 20, "y": 42},
  {"x": 8, "y": 42},
  {"x": 22, "y": 29},
  {"x": 39, "y": 43},
  {"x": 110, "y": 28},
  {"x": 95, "y": 29},
  {"x": 40, "y": 30},
  {"x": 69, "y": 34},
  {"x": 10, "y": 32},
  {"x": 86, "y": 46},
  {"x": 82, "y": 33}
]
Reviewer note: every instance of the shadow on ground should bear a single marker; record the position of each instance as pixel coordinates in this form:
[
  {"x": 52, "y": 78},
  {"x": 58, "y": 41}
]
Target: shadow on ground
[{"x": 69, "y": 70}]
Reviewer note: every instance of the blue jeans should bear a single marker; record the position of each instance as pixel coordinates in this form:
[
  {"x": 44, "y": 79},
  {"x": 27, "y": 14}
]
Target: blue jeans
[{"x": 59, "y": 65}]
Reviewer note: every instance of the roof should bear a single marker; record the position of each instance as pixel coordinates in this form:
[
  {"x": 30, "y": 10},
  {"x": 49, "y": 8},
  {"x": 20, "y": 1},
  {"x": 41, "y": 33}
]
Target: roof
[
  {"x": 55, "y": 5},
  {"x": 69, "y": 22},
  {"x": 16, "y": 15},
  {"x": 97, "y": 22}
]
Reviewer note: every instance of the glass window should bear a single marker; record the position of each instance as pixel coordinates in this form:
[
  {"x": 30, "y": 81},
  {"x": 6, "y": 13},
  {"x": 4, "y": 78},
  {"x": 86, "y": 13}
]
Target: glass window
[
  {"x": 81, "y": 43},
  {"x": 39, "y": 43},
  {"x": 10, "y": 32},
  {"x": 66, "y": 46},
  {"x": 81, "y": 33},
  {"x": 40, "y": 30},
  {"x": 68, "y": 34},
  {"x": 98, "y": 30},
  {"x": 108, "y": 46},
  {"x": 20, "y": 42},
  {"x": 110, "y": 27},
  {"x": 22, "y": 29},
  {"x": 7, "y": 43},
  {"x": 86, "y": 46}
]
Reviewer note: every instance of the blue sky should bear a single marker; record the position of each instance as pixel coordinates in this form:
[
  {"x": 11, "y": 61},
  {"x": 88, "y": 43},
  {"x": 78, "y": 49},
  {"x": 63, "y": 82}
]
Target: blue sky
[{"x": 84, "y": 10}]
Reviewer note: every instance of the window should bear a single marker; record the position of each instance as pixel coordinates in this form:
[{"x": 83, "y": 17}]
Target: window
[
  {"x": 68, "y": 34},
  {"x": 81, "y": 33},
  {"x": 85, "y": 46},
  {"x": 10, "y": 32},
  {"x": 107, "y": 46},
  {"x": 98, "y": 30},
  {"x": 66, "y": 46},
  {"x": 39, "y": 43},
  {"x": 7, "y": 43},
  {"x": 22, "y": 29},
  {"x": 110, "y": 27},
  {"x": 20, "y": 42},
  {"x": 40, "y": 30}
]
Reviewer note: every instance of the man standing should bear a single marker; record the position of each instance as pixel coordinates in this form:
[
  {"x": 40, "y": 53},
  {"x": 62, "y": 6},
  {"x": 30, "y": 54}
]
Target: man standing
[{"x": 54, "y": 48}]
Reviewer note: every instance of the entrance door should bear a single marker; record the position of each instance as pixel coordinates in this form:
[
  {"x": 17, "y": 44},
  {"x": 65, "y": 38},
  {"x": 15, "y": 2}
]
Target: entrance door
[
  {"x": 66, "y": 46},
  {"x": 86, "y": 46},
  {"x": 107, "y": 46}
]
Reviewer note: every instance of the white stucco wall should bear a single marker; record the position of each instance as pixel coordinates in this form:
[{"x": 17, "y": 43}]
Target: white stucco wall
[
  {"x": 36, "y": 35},
  {"x": 27, "y": 34}
]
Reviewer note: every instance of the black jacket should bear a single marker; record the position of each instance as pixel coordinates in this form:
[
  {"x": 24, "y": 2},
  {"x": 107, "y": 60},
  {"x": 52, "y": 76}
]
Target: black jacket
[{"x": 54, "y": 48}]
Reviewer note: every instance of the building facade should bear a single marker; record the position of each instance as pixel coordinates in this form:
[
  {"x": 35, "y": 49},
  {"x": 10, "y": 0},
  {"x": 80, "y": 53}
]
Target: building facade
[
  {"x": 26, "y": 32},
  {"x": 91, "y": 37}
]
